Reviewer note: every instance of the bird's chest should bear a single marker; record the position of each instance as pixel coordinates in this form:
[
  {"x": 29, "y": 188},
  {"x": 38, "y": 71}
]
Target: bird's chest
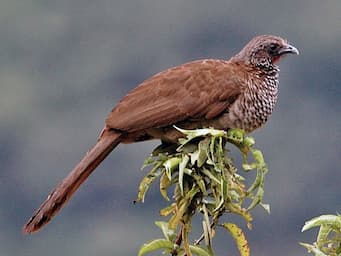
[{"x": 255, "y": 105}]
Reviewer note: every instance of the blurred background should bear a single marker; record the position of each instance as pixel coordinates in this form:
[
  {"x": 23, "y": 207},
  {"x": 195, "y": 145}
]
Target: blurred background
[{"x": 63, "y": 66}]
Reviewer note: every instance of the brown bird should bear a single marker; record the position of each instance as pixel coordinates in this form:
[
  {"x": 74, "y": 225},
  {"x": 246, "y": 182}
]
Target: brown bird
[{"x": 236, "y": 93}]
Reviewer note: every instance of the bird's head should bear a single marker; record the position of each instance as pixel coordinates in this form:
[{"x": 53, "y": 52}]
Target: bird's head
[{"x": 265, "y": 51}]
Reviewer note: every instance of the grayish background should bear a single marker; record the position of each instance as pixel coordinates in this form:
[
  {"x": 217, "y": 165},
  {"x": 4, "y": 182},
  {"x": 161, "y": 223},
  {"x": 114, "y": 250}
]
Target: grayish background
[{"x": 63, "y": 66}]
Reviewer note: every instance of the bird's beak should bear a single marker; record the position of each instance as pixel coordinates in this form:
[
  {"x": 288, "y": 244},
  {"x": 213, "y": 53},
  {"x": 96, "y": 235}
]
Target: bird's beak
[{"x": 288, "y": 49}]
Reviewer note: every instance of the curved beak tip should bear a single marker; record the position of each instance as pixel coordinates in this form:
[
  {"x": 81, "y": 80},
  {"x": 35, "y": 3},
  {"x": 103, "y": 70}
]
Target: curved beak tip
[
  {"x": 294, "y": 50},
  {"x": 290, "y": 49}
]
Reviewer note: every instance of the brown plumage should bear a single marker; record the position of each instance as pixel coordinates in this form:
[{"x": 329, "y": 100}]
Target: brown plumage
[{"x": 236, "y": 93}]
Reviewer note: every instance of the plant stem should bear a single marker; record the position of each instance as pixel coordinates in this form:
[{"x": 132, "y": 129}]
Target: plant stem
[{"x": 178, "y": 242}]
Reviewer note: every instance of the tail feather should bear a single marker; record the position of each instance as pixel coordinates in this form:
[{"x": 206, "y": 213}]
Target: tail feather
[{"x": 64, "y": 190}]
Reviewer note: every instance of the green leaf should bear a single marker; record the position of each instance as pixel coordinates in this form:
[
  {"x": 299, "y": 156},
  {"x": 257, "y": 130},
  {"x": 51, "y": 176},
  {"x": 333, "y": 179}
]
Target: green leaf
[
  {"x": 258, "y": 156},
  {"x": 323, "y": 234},
  {"x": 257, "y": 199},
  {"x": 146, "y": 182},
  {"x": 332, "y": 220},
  {"x": 197, "y": 250},
  {"x": 239, "y": 237},
  {"x": 266, "y": 207},
  {"x": 329, "y": 236},
  {"x": 240, "y": 211},
  {"x": 148, "y": 161},
  {"x": 164, "y": 184},
  {"x": 194, "y": 157},
  {"x": 170, "y": 165},
  {"x": 201, "y": 132},
  {"x": 200, "y": 183},
  {"x": 216, "y": 154},
  {"x": 158, "y": 244},
  {"x": 203, "y": 148},
  {"x": 257, "y": 182},
  {"x": 207, "y": 227},
  {"x": 313, "y": 249},
  {"x": 180, "y": 212},
  {"x": 174, "y": 221},
  {"x": 182, "y": 167},
  {"x": 236, "y": 136},
  {"x": 210, "y": 175},
  {"x": 168, "y": 233},
  {"x": 223, "y": 194},
  {"x": 167, "y": 210}
]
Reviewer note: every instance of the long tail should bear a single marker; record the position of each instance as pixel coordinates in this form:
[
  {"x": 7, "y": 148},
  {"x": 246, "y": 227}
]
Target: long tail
[{"x": 62, "y": 193}]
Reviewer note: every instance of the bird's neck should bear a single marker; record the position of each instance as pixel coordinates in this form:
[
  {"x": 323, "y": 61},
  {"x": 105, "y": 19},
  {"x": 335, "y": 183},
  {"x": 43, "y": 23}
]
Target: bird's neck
[{"x": 265, "y": 78}]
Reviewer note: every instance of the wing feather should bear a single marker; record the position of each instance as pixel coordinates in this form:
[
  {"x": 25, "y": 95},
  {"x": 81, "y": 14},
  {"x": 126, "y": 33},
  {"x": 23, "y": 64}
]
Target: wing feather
[{"x": 200, "y": 89}]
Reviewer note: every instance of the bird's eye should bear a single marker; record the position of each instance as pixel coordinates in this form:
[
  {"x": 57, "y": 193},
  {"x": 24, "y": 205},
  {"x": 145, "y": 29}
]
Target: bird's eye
[{"x": 273, "y": 46}]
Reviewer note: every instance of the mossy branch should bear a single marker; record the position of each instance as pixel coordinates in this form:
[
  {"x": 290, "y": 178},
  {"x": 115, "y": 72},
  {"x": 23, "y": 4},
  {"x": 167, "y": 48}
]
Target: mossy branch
[{"x": 205, "y": 182}]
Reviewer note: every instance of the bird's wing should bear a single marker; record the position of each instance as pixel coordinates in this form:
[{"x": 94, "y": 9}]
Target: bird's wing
[{"x": 199, "y": 89}]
